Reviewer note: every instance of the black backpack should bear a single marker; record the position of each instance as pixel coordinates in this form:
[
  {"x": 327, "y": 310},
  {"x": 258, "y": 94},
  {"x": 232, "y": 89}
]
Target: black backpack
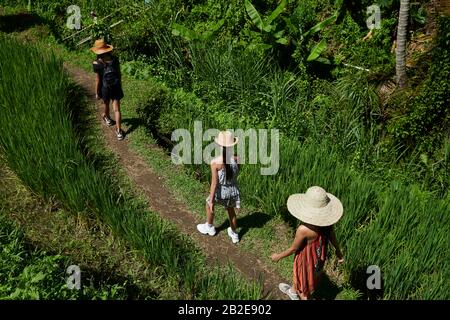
[{"x": 110, "y": 74}]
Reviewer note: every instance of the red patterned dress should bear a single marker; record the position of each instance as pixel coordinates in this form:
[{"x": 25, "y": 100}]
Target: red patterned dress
[{"x": 308, "y": 265}]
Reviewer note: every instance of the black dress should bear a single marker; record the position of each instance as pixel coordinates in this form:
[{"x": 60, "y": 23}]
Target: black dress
[{"x": 112, "y": 93}]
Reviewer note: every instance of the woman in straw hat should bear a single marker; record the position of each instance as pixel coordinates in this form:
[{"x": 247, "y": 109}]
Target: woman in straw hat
[
  {"x": 224, "y": 189},
  {"x": 108, "y": 84},
  {"x": 318, "y": 210}
]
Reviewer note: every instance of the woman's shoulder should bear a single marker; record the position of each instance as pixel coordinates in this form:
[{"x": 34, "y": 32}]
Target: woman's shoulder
[
  {"x": 216, "y": 161},
  {"x": 97, "y": 66},
  {"x": 307, "y": 231}
]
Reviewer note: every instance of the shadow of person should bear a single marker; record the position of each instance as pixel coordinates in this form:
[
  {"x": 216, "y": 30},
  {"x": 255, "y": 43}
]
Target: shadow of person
[
  {"x": 360, "y": 279},
  {"x": 326, "y": 289},
  {"x": 252, "y": 220},
  {"x": 132, "y": 124}
]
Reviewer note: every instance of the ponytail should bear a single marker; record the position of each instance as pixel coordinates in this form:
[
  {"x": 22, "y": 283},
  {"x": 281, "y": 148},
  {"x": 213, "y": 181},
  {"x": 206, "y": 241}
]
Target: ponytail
[{"x": 228, "y": 169}]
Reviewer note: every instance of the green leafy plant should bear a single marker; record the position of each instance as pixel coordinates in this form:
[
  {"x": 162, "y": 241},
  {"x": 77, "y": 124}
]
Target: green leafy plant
[
  {"x": 268, "y": 25},
  {"x": 101, "y": 30},
  {"x": 321, "y": 46},
  {"x": 190, "y": 35},
  {"x": 321, "y": 25}
]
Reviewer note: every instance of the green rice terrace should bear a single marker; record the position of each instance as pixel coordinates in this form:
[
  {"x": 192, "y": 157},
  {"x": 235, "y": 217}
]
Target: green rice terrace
[{"x": 356, "y": 91}]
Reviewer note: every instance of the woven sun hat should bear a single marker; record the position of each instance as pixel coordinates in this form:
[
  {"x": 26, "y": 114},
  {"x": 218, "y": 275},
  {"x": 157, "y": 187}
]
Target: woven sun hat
[
  {"x": 316, "y": 207},
  {"x": 100, "y": 46},
  {"x": 226, "y": 139}
]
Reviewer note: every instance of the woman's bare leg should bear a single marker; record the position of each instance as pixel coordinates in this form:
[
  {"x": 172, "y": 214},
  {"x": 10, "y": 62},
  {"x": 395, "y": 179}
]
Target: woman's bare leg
[
  {"x": 209, "y": 214},
  {"x": 118, "y": 116},
  {"x": 232, "y": 218},
  {"x": 303, "y": 296},
  {"x": 105, "y": 109}
]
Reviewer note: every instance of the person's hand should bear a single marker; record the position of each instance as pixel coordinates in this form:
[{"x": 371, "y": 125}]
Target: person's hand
[{"x": 275, "y": 257}]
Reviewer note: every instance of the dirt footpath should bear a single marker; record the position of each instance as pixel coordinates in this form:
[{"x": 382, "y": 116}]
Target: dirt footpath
[{"x": 218, "y": 248}]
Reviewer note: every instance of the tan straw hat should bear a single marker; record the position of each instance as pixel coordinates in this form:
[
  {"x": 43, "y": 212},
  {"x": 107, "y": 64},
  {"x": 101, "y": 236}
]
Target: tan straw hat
[
  {"x": 100, "y": 47},
  {"x": 316, "y": 207},
  {"x": 226, "y": 139}
]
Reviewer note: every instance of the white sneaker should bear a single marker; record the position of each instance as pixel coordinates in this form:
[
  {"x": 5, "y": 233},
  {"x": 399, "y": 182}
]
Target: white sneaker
[
  {"x": 204, "y": 228},
  {"x": 233, "y": 235},
  {"x": 286, "y": 289}
]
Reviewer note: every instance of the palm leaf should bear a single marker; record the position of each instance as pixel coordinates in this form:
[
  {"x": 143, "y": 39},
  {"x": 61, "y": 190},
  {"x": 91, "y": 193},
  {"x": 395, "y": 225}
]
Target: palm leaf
[
  {"x": 208, "y": 34},
  {"x": 180, "y": 30},
  {"x": 254, "y": 15},
  {"x": 322, "y": 24},
  {"x": 282, "y": 41},
  {"x": 275, "y": 13},
  {"x": 317, "y": 50}
]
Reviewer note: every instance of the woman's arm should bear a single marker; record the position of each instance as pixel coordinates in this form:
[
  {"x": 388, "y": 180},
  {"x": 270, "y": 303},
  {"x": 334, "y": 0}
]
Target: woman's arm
[
  {"x": 335, "y": 244},
  {"x": 97, "y": 85},
  {"x": 97, "y": 80},
  {"x": 214, "y": 180},
  {"x": 300, "y": 237}
]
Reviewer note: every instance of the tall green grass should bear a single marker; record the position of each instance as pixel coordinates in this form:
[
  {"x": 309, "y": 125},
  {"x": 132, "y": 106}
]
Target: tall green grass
[
  {"x": 398, "y": 227},
  {"x": 27, "y": 272},
  {"x": 40, "y": 144}
]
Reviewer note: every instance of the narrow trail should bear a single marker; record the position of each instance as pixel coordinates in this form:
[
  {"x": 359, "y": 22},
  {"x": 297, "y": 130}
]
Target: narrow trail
[{"x": 218, "y": 248}]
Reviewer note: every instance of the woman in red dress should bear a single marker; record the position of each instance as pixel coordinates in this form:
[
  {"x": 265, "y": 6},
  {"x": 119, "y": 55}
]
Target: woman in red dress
[{"x": 318, "y": 210}]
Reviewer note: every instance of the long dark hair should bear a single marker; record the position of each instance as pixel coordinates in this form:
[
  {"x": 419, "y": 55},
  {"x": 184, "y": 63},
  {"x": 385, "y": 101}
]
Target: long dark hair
[
  {"x": 228, "y": 169},
  {"x": 326, "y": 231}
]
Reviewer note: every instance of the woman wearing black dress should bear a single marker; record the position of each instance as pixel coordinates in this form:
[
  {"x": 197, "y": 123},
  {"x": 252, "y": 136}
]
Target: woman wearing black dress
[{"x": 108, "y": 85}]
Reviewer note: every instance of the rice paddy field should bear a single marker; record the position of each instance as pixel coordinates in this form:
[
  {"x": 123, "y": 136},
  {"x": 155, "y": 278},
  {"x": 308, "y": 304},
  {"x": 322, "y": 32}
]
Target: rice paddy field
[
  {"x": 384, "y": 152},
  {"x": 58, "y": 169}
]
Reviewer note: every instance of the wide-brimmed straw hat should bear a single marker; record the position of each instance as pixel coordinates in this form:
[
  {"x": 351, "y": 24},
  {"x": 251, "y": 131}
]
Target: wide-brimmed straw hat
[
  {"x": 100, "y": 46},
  {"x": 226, "y": 139},
  {"x": 316, "y": 207}
]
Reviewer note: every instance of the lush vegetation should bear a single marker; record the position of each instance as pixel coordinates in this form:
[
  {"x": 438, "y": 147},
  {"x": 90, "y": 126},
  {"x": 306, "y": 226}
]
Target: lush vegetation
[
  {"x": 29, "y": 273},
  {"x": 291, "y": 65},
  {"x": 42, "y": 146}
]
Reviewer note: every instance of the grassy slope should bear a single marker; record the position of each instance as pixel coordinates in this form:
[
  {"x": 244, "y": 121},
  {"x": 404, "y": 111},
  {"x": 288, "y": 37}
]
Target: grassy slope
[
  {"x": 201, "y": 287},
  {"x": 39, "y": 239}
]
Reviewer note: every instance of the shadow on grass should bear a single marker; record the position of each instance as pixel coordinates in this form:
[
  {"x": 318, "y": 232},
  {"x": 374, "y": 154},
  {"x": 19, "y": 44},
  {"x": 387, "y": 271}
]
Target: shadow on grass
[
  {"x": 132, "y": 124},
  {"x": 359, "y": 279},
  {"x": 326, "y": 290},
  {"x": 84, "y": 123},
  {"x": 292, "y": 221},
  {"x": 19, "y": 22},
  {"x": 250, "y": 221},
  {"x": 100, "y": 280}
]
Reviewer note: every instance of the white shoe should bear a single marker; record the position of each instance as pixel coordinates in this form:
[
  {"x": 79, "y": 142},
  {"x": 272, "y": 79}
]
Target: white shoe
[
  {"x": 233, "y": 235},
  {"x": 286, "y": 289},
  {"x": 204, "y": 228}
]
